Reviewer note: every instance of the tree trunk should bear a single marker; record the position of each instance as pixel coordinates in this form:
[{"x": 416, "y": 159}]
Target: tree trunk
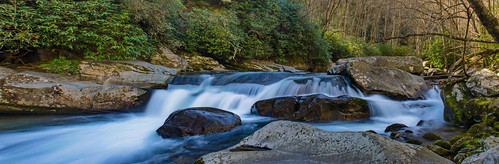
[{"x": 488, "y": 20}]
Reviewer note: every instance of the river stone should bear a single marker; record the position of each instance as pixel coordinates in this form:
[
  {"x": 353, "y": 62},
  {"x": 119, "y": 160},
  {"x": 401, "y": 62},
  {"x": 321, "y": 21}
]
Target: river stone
[
  {"x": 392, "y": 82},
  {"x": 267, "y": 66},
  {"x": 490, "y": 154},
  {"x": 167, "y": 58},
  {"x": 203, "y": 63},
  {"x": 138, "y": 74},
  {"x": 315, "y": 108},
  {"x": 292, "y": 142},
  {"x": 198, "y": 121},
  {"x": 409, "y": 64},
  {"x": 484, "y": 83},
  {"x": 36, "y": 89}
]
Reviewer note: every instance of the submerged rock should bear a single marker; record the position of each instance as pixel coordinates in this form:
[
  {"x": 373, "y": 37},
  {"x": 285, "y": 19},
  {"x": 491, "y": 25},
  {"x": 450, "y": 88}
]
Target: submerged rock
[
  {"x": 392, "y": 82},
  {"x": 167, "y": 58},
  {"x": 138, "y": 74},
  {"x": 484, "y": 83},
  {"x": 36, "y": 89},
  {"x": 198, "y": 121},
  {"x": 291, "y": 142},
  {"x": 315, "y": 108},
  {"x": 431, "y": 136},
  {"x": 395, "y": 127}
]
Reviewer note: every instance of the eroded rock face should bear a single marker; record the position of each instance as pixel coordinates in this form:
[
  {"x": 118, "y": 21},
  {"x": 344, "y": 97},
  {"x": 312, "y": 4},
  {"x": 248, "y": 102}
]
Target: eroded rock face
[
  {"x": 36, "y": 89},
  {"x": 392, "y": 82},
  {"x": 198, "y": 121},
  {"x": 291, "y": 142},
  {"x": 167, "y": 58},
  {"x": 409, "y": 64},
  {"x": 138, "y": 74},
  {"x": 484, "y": 83},
  {"x": 203, "y": 63},
  {"x": 314, "y": 108},
  {"x": 267, "y": 66}
]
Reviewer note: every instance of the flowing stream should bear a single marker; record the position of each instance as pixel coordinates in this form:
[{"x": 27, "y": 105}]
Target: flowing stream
[{"x": 131, "y": 137}]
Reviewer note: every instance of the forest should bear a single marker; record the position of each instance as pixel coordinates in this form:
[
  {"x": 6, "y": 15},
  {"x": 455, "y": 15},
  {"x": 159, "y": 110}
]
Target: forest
[{"x": 449, "y": 34}]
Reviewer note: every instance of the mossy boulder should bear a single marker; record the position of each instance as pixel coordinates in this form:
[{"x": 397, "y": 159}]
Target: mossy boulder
[
  {"x": 463, "y": 109},
  {"x": 442, "y": 143},
  {"x": 439, "y": 150},
  {"x": 431, "y": 136},
  {"x": 484, "y": 83},
  {"x": 414, "y": 141}
]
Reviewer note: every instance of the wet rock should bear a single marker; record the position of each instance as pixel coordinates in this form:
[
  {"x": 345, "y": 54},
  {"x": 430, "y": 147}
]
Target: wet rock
[
  {"x": 4, "y": 72},
  {"x": 420, "y": 123},
  {"x": 484, "y": 83},
  {"x": 138, "y": 74},
  {"x": 409, "y": 64},
  {"x": 198, "y": 121},
  {"x": 53, "y": 91},
  {"x": 371, "y": 131},
  {"x": 431, "y": 136},
  {"x": 489, "y": 156},
  {"x": 439, "y": 150},
  {"x": 395, "y": 127},
  {"x": 291, "y": 142},
  {"x": 392, "y": 82},
  {"x": 203, "y": 63},
  {"x": 414, "y": 141},
  {"x": 315, "y": 108},
  {"x": 442, "y": 143},
  {"x": 167, "y": 58}
]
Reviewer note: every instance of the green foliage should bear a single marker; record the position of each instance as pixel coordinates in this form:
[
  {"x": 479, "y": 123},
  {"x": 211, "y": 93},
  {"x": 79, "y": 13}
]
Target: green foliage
[
  {"x": 437, "y": 50},
  {"x": 344, "y": 47},
  {"x": 62, "y": 65},
  {"x": 98, "y": 29}
]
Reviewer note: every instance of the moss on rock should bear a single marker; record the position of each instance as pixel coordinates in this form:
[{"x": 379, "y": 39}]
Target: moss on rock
[
  {"x": 431, "y": 136},
  {"x": 442, "y": 143},
  {"x": 414, "y": 141}
]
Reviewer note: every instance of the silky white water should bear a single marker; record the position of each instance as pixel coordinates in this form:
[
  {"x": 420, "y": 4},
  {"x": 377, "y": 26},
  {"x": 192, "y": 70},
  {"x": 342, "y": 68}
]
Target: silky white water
[{"x": 131, "y": 138}]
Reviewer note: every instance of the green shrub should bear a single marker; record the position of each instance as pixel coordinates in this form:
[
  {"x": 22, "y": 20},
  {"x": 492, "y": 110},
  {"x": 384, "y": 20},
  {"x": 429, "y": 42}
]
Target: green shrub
[
  {"x": 98, "y": 29},
  {"x": 62, "y": 66}
]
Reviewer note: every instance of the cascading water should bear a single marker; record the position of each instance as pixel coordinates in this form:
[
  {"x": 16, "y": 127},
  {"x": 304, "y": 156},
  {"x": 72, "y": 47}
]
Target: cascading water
[{"x": 131, "y": 138}]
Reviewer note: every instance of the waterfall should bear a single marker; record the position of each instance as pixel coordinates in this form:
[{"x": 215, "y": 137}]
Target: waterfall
[{"x": 131, "y": 138}]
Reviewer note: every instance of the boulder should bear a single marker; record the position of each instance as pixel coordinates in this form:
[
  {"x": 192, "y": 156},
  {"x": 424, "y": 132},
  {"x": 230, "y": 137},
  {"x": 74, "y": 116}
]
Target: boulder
[
  {"x": 138, "y": 74},
  {"x": 291, "y": 142},
  {"x": 203, "y": 63},
  {"x": 392, "y": 82},
  {"x": 4, "y": 72},
  {"x": 395, "y": 127},
  {"x": 462, "y": 109},
  {"x": 484, "y": 83},
  {"x": 36, "y": 89},
  {"x": 409, "y": 64},
  {"x": 315, "y": 108},
  {"x": 167, "y": 58},
  {"x": 198, "y": 121},
  {"x": 267, "y": 66},
  {"x": 490, "y": 152}
]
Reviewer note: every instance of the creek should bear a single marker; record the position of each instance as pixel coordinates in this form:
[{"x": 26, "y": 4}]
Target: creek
[{"x": 131, "y": 137}]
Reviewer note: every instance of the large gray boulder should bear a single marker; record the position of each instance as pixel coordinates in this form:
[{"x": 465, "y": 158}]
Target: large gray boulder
[
  {"x": 392, "y": 82},
  {"x": 167, "y": 58},
  {"x": 314, "y": 108},
  {"x": 138, "y": 74},
  {"x": 198, "y": 121},
  {"x": 34, "y": 89},
  {"x": 291, "y": 142},
  {"x": 409, "y": 64},
  {"x": 484, "y": 83},
  {"x": 267, "y": 66}
]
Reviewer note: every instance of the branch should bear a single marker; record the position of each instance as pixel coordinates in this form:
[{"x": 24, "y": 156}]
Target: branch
[{"x": 434, "y": 34}]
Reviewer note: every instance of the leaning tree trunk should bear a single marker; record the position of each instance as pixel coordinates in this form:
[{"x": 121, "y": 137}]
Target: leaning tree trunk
[{"x": 488, "y": 20}]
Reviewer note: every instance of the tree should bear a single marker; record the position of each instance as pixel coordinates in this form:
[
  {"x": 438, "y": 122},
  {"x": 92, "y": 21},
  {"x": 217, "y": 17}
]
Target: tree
[{"x": 488, "y": 20}]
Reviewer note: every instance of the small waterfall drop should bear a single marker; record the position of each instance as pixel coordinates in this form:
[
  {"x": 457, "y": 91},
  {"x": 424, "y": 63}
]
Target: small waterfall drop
[{"x": 131, "y": 138}]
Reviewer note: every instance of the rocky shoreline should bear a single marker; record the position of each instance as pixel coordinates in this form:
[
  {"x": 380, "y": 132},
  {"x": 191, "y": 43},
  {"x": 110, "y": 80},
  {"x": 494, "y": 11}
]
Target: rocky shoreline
[{"x": 120, "y": 86}]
